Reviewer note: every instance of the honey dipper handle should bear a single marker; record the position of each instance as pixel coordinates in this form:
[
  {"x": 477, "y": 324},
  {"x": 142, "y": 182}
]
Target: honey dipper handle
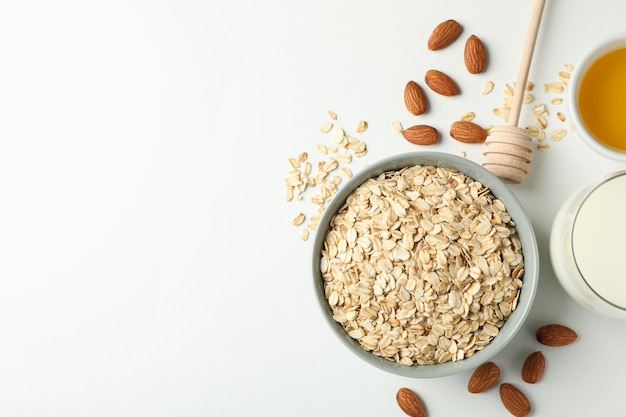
[{"x": 524, "y": 68}]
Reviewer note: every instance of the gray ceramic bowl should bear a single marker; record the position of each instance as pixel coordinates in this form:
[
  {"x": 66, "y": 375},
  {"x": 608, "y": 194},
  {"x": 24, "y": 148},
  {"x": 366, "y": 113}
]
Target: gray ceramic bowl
[{"x": 525, "y": 233}]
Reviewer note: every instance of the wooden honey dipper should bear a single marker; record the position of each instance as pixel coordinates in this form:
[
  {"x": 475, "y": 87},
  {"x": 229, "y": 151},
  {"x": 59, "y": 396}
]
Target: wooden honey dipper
[{"x": 508, "y": 149}]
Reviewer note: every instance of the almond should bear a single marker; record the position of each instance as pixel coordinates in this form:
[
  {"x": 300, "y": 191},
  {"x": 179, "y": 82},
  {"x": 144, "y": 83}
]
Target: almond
[
  {"x": 475, "y": 56},
  {"x": 410, "y": 403},
  {"x": 514, "y": 400},
  {"x": 483, "y": 378},
  {"x": 533, "y": 367},
  {"x": 467, "y": 132},
  {"x": 441, "y": 83},
  {"x": 421, "y": 135},
  {"x": 414, "y": 98},
  {"x": 444, "y": 34},
  {"x": 556, "y": 335}
]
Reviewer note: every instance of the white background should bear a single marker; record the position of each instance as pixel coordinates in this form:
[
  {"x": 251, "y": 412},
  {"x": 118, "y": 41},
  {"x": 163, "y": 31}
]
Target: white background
[{"x": 148, "y": 266}]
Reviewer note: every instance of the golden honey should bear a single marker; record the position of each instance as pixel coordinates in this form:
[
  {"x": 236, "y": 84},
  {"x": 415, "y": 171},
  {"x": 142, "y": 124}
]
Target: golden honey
[{"x": 602, "y": 99}]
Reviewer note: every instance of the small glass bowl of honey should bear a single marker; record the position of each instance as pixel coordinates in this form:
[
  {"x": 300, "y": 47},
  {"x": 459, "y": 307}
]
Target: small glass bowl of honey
[{"x": 598, "y": 97}]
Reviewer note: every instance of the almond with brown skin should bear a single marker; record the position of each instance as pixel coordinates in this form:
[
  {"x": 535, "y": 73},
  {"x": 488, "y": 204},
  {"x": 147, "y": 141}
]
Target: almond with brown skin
[
  {"x": 444, "y": 34},
  {"x": 483, "y": 378},
  {"x": 441, "y": 83},
  {"x": 421, "y": 135},
  {"x": 475, "y": 56},
  {"x": 533, "y": 367},
  {"x": 410, "y": 403},
  {"x": 467, "y": 132},
  {"x": 414, "y": 98},
  {"x": 514, "y": 400},
  {"x": 556, "y": 335}
]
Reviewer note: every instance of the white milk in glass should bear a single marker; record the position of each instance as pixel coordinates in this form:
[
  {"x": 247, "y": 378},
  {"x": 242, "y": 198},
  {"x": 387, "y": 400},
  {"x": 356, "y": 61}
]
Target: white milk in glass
[
  {"x": 588, "y": 245},
  {"x": 599, "y": 240}
]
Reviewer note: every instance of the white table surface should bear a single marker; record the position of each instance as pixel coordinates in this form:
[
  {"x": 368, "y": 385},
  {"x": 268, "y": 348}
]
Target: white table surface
[{"x": 148, "y": 266}]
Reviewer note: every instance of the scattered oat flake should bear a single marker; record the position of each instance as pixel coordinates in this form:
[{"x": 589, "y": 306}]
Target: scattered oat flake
[
  {"x": 533, "y": 130},
  {"x": 468, "y": 116},
  {"x": 540, "y": 109},
  {"x": 529, "y": 86},
  {"x": 332, "y": 115},
  {"x": 361, "y": 126},
  {"x": 558, "y": 134},
  {"x": 321, "y": 148},
  {"x": 304, "y": 234},
  {"x": 345, "y": 158},
  {"x": 463, "y": 154},
  {"x": 326, "y": 127},
  {"x": 306, "y": 170},
  {"x": 502, "y": 113},
  {"x": 560, "y": 116},
  {"x": 302, "y": 156},
  {"x": 397, "y": 126},
  {"x": 528, "y": 98},
  {"x": 542, "y": 122},
  {"x": 294, "y": 162},
  {"x": 564, "y": 74},
  {"x": 346, "y": 171},
  {"x": 329, "y": 165},
  {"x": 555, "y": 87},
  {"x": 543, "y": 146},
  {"x": 541, "y": 136},
  {"x": 556, "y": 101},
  {"x": 569, "y": 67},
  {"x": 487, "y": 88},
  {"x": 359, "y": 148},
  {"x": 298, "y": 219},
  {"x": 339, "y": 135}
]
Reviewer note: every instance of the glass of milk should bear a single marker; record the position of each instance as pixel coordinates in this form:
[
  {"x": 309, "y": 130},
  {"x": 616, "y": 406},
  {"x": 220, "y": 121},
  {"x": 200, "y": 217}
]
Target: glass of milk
[{"x": 588, "y": 245}]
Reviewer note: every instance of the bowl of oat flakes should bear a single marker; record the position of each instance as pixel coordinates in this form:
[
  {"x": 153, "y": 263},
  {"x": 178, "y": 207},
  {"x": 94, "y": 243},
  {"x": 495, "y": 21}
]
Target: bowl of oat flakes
[{"x": 425, "y": 264}]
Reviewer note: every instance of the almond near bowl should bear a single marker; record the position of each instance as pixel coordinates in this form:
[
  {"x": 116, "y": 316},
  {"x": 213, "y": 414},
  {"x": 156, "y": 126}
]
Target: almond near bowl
[{"x": 425, "y": 265}]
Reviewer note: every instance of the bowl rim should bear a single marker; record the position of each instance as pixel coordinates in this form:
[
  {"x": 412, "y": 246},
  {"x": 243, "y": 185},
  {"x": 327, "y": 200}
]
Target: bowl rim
[
  {"x": 611, "y": 42},
  {"x": 524, "y": 230}
]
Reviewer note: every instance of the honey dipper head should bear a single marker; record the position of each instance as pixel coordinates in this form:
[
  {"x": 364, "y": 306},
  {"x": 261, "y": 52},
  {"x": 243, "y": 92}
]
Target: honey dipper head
[{"x": 508, "y": 153}]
